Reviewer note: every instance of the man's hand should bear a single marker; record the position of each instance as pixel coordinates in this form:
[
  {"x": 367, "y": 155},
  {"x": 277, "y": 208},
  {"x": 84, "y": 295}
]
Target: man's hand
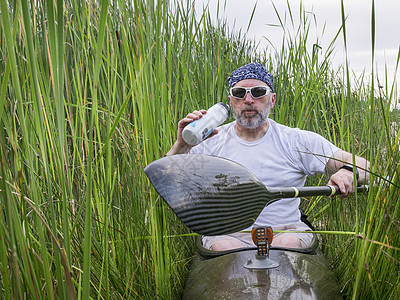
[
  {"x": 344, "y": 179},
  {"x": 180, "y": 146}
]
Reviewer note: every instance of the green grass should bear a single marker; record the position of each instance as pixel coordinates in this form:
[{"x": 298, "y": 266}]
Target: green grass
[{"x": 91, "y": 92}]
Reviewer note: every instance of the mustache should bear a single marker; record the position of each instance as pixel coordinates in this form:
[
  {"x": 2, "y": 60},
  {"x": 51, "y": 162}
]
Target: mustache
[{"x": 249, "y": 108}]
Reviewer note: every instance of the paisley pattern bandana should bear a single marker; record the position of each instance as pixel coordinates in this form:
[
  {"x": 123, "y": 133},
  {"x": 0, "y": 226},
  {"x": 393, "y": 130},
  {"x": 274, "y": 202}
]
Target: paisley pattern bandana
[{"x": 253, "y": 70}]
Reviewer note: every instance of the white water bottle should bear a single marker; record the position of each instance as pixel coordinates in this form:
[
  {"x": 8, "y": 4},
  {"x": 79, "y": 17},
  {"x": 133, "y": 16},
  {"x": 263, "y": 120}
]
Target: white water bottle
[{"x": 198, "y": 130}]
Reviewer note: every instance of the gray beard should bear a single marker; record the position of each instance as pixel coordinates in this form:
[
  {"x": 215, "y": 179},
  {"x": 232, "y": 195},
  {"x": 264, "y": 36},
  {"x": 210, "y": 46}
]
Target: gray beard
[{"x": 252, "y": 122}]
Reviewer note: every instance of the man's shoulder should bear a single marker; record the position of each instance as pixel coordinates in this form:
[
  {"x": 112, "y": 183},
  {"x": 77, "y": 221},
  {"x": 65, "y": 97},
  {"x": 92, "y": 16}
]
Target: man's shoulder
[
  {"x": 283, "y": 129},
  {"x": 298, "y": 137},
  {"x": 294, "y": 135}
]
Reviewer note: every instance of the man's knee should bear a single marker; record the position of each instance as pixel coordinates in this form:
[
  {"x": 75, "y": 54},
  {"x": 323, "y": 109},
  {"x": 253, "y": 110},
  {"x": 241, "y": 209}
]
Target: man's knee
[
  {"x": 288, "y": 241},
  {"x": 227, "y": 244}
]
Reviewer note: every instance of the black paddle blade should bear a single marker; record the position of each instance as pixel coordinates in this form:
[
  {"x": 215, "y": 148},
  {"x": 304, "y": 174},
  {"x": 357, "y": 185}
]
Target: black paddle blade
[{"x": 211, "y": 195}]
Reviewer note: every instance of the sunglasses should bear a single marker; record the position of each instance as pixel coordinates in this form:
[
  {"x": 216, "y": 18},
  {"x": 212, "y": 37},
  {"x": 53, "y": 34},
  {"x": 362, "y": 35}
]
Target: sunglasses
[{"x": 255, "y": 92}]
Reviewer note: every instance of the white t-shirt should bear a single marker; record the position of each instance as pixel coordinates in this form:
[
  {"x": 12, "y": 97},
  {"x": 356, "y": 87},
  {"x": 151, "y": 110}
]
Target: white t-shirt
[{"x": 283, "y": 157}]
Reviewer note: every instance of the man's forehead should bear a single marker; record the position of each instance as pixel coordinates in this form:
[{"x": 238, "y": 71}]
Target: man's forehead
[{"x": 250, "y": 82}]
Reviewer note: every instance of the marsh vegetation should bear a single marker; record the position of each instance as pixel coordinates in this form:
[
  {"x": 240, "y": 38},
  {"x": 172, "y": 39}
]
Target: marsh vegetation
[{"x": 91, "y": 92}]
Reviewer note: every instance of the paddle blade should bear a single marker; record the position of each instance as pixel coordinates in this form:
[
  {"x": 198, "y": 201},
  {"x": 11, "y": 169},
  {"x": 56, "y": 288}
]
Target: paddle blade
[{"x": 211, "y": 195}]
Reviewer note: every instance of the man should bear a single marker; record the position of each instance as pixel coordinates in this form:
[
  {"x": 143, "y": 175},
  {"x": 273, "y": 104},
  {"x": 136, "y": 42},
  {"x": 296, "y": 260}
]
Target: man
[{"x": 278, "y": 155}]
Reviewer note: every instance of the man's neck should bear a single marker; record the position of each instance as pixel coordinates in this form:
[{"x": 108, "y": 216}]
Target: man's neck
[{"x": 251, "y": 135}]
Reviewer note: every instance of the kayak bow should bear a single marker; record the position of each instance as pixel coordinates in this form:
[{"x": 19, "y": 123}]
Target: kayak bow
[{"x": 300, "y": 275}]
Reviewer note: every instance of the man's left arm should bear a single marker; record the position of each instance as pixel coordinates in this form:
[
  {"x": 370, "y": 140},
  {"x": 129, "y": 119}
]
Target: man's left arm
[{"x": 341, "y": 165}]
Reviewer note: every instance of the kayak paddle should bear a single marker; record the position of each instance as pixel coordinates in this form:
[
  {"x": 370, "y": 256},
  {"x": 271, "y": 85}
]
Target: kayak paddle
[{"x": 215, "y": 196}]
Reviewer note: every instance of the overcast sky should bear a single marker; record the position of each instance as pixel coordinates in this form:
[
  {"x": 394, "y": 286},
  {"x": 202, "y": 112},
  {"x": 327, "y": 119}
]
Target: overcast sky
[{"x": 328, "y": 14}]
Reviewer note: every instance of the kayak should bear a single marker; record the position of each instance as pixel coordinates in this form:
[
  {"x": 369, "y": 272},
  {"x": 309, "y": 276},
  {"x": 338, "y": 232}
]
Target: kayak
[{"x": 301, "y": 274}]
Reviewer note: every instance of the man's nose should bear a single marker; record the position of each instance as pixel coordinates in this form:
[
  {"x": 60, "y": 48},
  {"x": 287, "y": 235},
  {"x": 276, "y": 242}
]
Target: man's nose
[{"x": 248, "y": 98}]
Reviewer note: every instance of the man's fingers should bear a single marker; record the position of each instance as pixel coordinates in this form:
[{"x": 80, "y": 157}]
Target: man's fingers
[
  {"x": 344, "y": 181},
  {"x": 190, "y": 118}
]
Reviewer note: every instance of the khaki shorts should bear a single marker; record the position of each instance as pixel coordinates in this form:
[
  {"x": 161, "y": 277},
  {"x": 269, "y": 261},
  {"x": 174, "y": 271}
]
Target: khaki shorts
[{"x": 247, "y": 241}]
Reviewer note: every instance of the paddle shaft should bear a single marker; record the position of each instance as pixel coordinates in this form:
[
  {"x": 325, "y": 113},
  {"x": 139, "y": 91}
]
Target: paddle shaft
[{"x": 308, "y": 191}]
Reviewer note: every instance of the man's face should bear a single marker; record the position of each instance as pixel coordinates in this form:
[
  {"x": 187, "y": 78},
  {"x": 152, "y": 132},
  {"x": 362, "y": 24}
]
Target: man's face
[{"x": 251, "y": 113}]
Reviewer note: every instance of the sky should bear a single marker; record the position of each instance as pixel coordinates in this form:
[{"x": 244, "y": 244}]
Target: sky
[{"x": 328, "y": 19}]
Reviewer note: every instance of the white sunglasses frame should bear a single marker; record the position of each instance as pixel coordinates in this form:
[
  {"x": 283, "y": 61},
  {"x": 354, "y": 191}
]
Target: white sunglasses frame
[{"x": 248, "y": 89}]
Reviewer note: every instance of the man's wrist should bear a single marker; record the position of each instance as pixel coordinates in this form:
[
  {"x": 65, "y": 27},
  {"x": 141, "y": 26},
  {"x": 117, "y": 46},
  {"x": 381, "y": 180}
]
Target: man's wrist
[
  {"x": 351, "y": 168},
  {"x": 178, "y": 149}
]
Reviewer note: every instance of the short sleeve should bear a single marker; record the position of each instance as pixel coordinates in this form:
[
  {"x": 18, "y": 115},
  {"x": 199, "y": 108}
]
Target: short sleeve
[{"x": 313, "y": 152}]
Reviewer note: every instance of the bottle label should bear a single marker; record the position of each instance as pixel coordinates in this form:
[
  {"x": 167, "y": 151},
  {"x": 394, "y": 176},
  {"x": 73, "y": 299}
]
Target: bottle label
[{"x": 206, "y": 132}]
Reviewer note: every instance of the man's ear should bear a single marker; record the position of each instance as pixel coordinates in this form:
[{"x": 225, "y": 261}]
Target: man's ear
[{"x": 273, "y": 100}]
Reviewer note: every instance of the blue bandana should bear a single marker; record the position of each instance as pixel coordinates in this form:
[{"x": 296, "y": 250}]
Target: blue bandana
[{"x": 253, "y": 70}]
